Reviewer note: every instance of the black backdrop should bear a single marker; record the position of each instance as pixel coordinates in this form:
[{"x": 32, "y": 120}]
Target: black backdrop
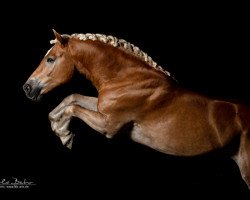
[{"x": 203, "y": 46}]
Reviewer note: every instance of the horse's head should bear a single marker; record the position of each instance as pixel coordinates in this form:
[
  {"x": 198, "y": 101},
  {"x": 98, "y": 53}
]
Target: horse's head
[{"x": 56, "y": 68}]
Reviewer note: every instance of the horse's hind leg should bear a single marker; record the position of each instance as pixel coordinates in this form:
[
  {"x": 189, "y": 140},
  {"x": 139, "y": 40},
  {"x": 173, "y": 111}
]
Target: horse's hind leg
[{"x": 243, "y": 157}]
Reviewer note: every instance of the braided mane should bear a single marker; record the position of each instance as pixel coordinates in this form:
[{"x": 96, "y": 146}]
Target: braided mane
[{"x": 120, "y": 43}]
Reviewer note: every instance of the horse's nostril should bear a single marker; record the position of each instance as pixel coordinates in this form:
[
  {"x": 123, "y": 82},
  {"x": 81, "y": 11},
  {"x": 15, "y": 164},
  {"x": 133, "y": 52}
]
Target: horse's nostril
[{"x": 27, "y": 88}]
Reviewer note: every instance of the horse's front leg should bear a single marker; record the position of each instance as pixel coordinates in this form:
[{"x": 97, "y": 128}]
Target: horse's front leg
[
  {"x": 94, "y": 119},
  {"x": 107, "y": 125},
  {"x": 84, "y": 101},
  {"x": 60, "y": 120}
]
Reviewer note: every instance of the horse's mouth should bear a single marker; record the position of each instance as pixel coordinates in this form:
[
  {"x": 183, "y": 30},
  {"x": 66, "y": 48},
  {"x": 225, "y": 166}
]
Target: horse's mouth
[
  {"x": 36, "y": 94},
  {"x": 37, "y": 98}
]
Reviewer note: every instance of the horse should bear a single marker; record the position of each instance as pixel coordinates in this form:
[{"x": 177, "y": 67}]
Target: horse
[{"x": 133, "y": 89}]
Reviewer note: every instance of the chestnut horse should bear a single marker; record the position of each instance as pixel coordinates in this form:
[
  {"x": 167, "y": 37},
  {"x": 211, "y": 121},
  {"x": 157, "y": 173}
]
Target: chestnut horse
[{"x": 133, "y": 89}]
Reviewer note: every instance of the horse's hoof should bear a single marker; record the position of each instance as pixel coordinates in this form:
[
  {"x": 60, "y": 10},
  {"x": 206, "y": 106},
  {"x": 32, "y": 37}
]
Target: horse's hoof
[
  {"x": 67, "y": 140},
  {"x": 70, "y": 142}
]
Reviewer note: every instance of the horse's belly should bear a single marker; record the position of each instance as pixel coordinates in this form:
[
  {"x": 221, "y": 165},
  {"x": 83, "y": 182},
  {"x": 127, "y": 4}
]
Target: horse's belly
[{"x": 175, "y": 139}]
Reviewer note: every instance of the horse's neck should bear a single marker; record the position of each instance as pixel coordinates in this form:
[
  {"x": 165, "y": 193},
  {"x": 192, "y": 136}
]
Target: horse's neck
[{"x": 101, "y": 63}]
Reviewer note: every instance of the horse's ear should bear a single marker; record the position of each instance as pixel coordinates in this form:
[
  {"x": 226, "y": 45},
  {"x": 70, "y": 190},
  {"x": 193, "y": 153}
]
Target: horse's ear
[
  {"x": 60, "y": 38},
  {"x": 57, "y": 35}
]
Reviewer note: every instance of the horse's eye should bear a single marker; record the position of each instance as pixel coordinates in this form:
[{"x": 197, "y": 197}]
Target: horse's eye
[{"x": 50, "y": 60}]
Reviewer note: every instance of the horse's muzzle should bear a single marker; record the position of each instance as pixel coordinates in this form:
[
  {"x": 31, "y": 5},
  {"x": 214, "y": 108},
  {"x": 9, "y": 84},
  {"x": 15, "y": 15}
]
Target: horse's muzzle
[
  {"x": 32, "y": 90},
  {"x": 27, "y": 88}
]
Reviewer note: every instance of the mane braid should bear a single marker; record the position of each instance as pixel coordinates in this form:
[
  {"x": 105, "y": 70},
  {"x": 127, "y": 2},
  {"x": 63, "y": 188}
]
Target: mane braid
[{"x": 123, "y": 44}]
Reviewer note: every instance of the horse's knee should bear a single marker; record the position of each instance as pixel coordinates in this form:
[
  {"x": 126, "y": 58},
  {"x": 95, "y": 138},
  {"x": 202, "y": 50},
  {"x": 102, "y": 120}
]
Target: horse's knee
[{"x": 51, "y": 116}]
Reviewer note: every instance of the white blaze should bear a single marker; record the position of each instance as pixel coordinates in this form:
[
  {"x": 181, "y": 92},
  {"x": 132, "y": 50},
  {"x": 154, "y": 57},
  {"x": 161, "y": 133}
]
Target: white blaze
[{"x": 48, "y": 51}]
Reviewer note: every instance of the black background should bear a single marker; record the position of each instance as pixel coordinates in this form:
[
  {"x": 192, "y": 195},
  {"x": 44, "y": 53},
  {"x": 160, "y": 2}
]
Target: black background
[{"x": 203, "y": 46}]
